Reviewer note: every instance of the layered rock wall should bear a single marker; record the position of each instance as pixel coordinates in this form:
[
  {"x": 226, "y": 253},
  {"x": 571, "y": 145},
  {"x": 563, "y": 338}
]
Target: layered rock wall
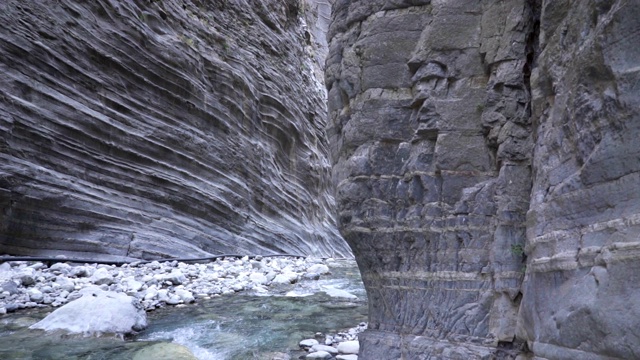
[
  {"x": 583, "y": 227},
  {"x": 162, "y": 128},
  {"x": 485, "y": 174}
]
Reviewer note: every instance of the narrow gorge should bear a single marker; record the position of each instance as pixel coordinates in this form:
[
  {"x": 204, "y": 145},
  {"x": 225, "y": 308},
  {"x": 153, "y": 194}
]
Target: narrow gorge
[{"x": 477, "y": 157}]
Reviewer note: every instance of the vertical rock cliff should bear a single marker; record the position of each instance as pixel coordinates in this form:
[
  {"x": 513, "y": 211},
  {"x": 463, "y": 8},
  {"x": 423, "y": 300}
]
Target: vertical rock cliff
[
  {"x": 162, "y": 128},
  {"x": 581, "y": 295},
  {"x": 486, "y": 174}
]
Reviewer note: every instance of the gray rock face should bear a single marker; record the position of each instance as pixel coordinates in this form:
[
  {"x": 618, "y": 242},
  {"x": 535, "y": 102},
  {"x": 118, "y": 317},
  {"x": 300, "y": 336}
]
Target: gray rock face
[
  {"x": 139, "y": 129},
  {"x": 477, "y": 145},
  {"x": 583, "y": 227}
]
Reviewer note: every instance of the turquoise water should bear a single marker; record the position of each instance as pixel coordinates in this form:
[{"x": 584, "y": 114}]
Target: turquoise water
[{"x": 237, "y": 326}]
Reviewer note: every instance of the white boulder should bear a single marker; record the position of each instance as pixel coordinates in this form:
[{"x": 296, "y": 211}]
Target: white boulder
[
  {"x": 286, "y": 278},
  {"x": 319, "y": 355},
  {"x": 319, "y": 347},
  {"x": 349, "y": 347},
  {"x": 338, "y": 293},
  {"x": 347, "y": 357},
  {"x": 96, "y": 312},
  {"x": 102, "y": 277},
  {"x": 318, "y": 269},
  {"x": 307, "y": 343}
]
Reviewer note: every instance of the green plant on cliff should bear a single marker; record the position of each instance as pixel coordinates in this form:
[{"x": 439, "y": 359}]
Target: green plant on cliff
[
  {"x": 187, "y": 40},
  {"x": 517, "y": 250}
]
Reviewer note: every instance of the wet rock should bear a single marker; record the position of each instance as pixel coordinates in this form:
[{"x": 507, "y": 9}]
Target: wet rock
[
  {"x": 338, "y": 293},
  {"x": 164, "y": 351}
]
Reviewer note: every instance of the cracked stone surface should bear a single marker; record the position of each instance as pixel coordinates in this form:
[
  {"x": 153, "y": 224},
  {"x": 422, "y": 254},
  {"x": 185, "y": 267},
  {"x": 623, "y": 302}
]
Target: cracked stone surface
[
  {"x": 486, "y": 174},
  {"x": 143, "y": 129}
]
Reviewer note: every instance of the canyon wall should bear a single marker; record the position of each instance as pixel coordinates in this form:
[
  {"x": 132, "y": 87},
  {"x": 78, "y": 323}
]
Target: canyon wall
[
  {"x": 142, "y": 129},
  {"x": 487, "y": 177}
]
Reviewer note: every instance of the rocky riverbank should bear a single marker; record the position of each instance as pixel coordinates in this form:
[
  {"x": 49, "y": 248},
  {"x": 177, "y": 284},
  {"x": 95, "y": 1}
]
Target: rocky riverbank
[{"x": 156, "y": 284}]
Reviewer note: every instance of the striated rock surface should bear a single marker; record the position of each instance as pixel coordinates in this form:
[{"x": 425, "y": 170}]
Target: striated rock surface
[
  {"x": 583, "y": 227},
  {"x": 141, "y": 129},
  {"x": 487, "y": 177}
]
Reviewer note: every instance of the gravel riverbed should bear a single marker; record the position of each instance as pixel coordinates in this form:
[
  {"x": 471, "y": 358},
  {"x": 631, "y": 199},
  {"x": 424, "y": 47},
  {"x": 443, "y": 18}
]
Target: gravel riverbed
[{"x": 34, "y": 284}]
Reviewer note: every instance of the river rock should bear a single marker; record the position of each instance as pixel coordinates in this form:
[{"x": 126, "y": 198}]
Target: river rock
[
  {"x": 10, "y": 287},
  {"x": 96, "y": 312},
  {"x": 347, "y": 357},
  {"x": 338, "y": 293},
  {"x": 308, "y": 343},
  {"x": 349, "y": 347},
  {"x": 285, "y": 278},
  {"x": 60, "y": 268},
  {"x": 102, "y": 277},
  {"x": 258, "y": 278},
  {"x": 26, "y": 276},
  {"x": 319, "y": 347},
  {"x": 35, "y": 295},
  {"x": 318, "y": 269},
  {"x": 164, "y": 351},
  {"x": 176, "y": 277},
  {"x": 185, "y": 295},
  {"x": 319, "y": 355},
  {"x": 64, "y": 283},
  {"x": 81, "y": 271}
]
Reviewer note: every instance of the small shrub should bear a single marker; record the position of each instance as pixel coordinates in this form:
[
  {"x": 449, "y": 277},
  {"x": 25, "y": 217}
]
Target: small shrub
[{"x": 517, "y": 250}]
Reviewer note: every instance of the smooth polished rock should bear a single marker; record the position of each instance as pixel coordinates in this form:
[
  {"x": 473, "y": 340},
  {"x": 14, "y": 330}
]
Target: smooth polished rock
[
  {"x": 96, "y": 312},
  {"x": 164, "y": 351},
  {"x": 319, "y": 347},
  {"x": 308, "y": 343},
  {"x": 319, "y": 355},
  {"x": 102, "y": 277},
  {"x": 347, "y": 357},
  {"x": 349, "y": 347}
]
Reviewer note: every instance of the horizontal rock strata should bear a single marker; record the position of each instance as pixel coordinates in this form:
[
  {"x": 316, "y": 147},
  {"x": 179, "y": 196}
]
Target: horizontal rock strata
[
  {"x": 583, "y": 227},
  {"x": 142, "y": 129},
  {"x": 486, "y": 174}
]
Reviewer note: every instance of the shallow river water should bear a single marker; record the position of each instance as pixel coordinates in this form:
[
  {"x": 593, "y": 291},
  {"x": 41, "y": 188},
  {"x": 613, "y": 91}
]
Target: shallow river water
[{"x": 237, "y": 326}]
